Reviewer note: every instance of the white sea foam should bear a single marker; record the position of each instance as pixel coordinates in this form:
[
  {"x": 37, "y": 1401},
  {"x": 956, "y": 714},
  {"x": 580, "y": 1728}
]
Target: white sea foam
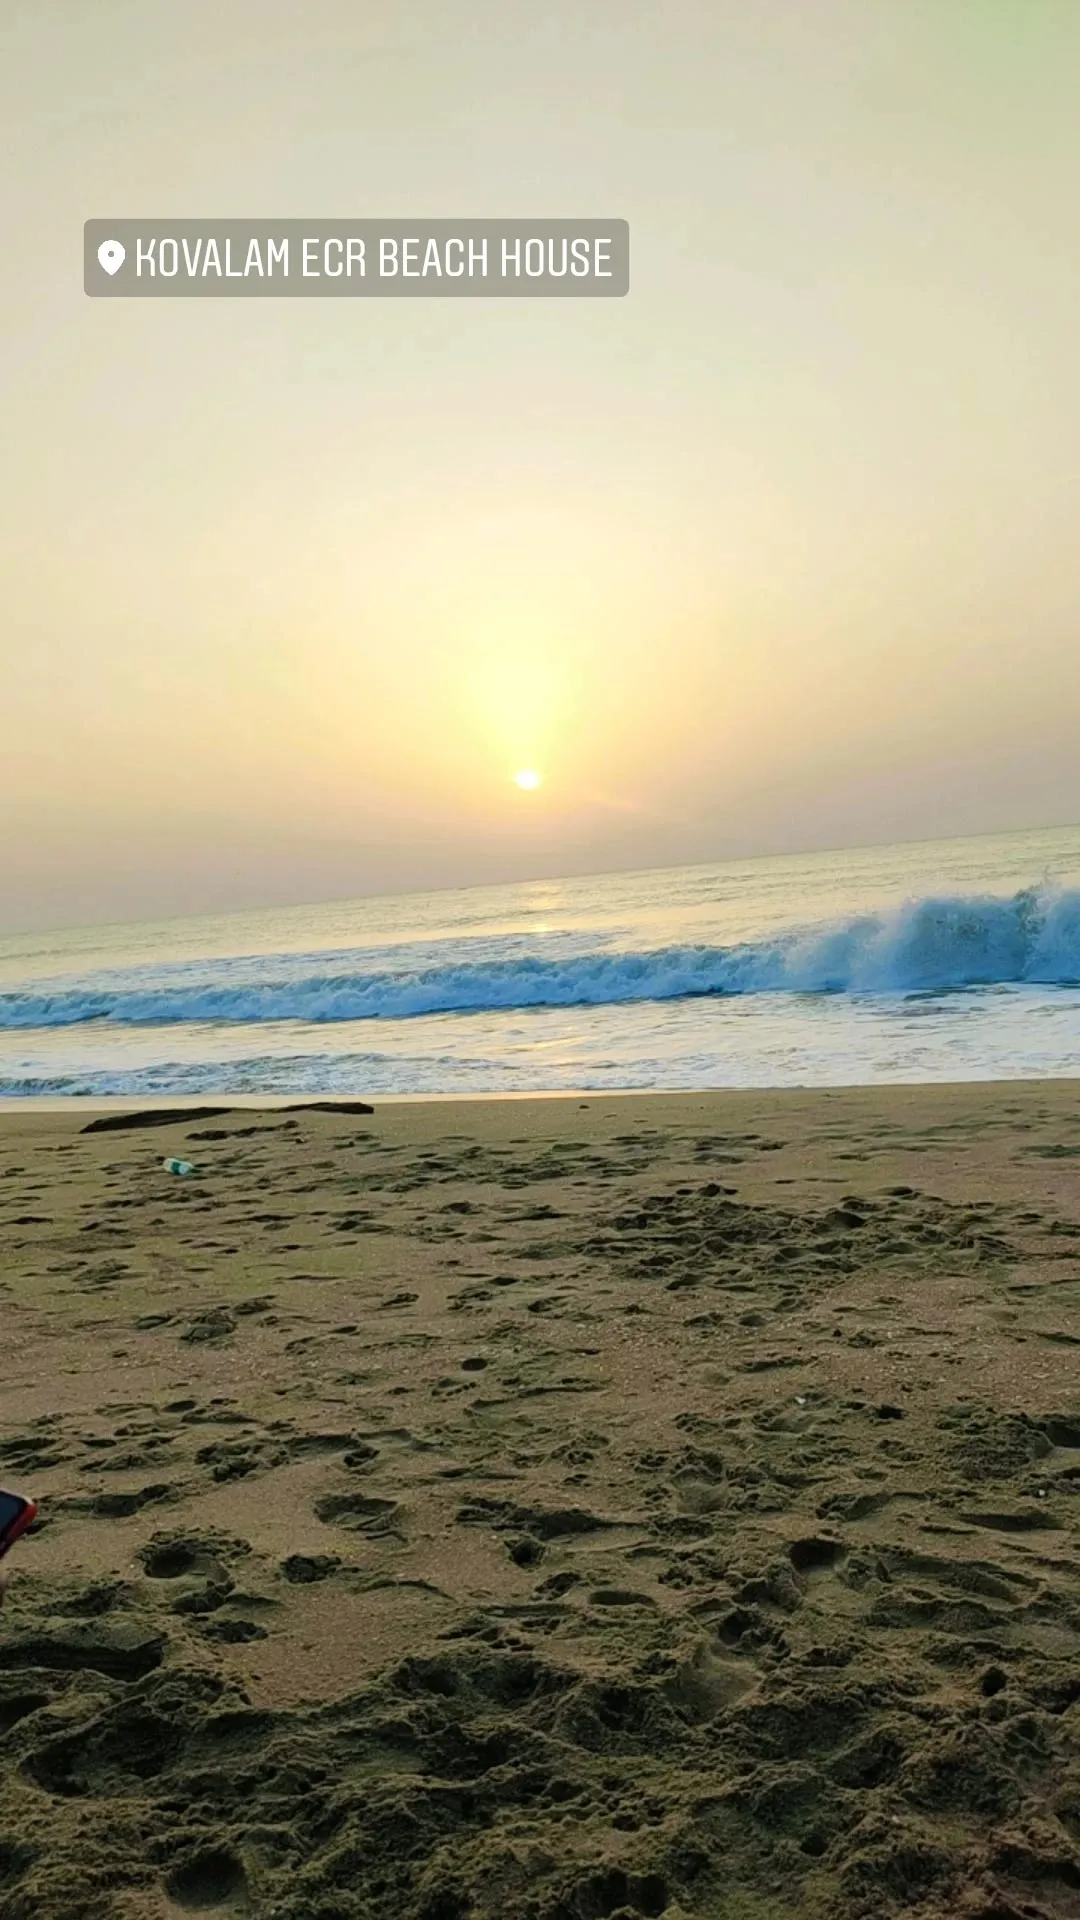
[{"x": 929, "y": 945}]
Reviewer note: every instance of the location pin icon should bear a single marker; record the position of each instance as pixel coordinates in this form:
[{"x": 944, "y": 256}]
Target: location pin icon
[{"x": 111, "y": 255}]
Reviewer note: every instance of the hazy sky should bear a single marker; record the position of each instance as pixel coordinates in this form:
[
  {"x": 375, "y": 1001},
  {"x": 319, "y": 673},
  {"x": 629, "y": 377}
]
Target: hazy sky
[{"x": 779, "y": 552}]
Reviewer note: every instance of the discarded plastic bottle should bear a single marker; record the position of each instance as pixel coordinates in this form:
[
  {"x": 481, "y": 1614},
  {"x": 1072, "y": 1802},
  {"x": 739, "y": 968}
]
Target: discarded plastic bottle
[{"x": 182, "y": 1167}]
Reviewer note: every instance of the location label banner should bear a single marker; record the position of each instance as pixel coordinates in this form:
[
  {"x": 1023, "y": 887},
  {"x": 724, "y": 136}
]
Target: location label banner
[{"x": 356, "y": 259}]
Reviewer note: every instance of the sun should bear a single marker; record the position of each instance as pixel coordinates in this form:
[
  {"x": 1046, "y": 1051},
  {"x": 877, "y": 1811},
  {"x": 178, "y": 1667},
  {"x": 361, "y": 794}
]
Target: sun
[{"x": 528, "y": 780}]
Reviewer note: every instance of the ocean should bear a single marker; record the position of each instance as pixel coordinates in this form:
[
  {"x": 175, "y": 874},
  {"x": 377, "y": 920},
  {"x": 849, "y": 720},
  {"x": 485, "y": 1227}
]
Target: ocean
[{"x": 948, "y": 960}]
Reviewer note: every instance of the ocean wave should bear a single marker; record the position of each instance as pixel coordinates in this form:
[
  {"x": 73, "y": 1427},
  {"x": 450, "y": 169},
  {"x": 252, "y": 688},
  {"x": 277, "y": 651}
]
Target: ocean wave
[{"x": 930, "y": 945}]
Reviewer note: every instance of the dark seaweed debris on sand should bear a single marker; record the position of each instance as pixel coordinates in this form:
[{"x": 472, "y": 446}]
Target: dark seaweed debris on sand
[{"x": 126, "y": 1122}]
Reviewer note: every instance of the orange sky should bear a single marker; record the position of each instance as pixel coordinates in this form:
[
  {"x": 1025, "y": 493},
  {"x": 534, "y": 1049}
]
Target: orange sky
[{"x": 778, "y": 552}]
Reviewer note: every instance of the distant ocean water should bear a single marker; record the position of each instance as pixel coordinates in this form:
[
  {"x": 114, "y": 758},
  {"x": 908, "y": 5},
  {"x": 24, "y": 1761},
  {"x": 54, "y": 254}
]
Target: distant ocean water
[{"x": 950, "y": 960}]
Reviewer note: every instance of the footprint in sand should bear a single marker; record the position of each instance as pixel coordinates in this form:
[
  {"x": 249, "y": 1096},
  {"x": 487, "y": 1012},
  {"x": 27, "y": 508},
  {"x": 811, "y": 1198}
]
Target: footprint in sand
[
  {"x": 210, "y": 1881},
  {"x": 365, "y": 1512}
]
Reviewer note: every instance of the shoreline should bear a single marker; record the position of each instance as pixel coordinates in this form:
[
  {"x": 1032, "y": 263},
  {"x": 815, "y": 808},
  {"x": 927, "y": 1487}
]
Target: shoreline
[{"x": 72, "y": 1104}]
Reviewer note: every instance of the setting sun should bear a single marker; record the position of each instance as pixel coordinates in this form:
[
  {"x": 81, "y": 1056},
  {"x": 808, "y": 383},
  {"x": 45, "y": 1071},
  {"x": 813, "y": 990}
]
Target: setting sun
[{"x": 527, "y": 780}]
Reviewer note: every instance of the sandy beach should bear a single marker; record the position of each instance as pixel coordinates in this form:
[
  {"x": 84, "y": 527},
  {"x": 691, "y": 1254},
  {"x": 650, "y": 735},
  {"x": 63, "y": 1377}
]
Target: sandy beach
[{"x": 552, "y": 1510}]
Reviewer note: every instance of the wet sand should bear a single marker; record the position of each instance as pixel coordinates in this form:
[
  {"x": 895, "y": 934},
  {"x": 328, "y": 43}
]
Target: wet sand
[{"x": 546, "y": 1510}]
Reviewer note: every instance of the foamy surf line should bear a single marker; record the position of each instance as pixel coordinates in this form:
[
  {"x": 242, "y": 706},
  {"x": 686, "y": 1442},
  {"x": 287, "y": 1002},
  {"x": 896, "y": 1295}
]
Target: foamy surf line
[{"x": 926, "y": 946}]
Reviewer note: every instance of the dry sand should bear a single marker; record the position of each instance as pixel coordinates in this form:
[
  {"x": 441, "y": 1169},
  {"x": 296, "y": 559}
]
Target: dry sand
[{"x": 546, "y": 1510}]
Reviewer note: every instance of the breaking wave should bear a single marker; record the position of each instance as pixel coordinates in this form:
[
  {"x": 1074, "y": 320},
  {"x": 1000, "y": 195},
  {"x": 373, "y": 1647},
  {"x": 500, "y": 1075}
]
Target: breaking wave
[{"x": 926, "y": 946}]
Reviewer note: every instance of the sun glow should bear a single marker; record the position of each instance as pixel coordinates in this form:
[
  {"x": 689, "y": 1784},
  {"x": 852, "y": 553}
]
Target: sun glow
[{"x": 527, "y": 780}]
